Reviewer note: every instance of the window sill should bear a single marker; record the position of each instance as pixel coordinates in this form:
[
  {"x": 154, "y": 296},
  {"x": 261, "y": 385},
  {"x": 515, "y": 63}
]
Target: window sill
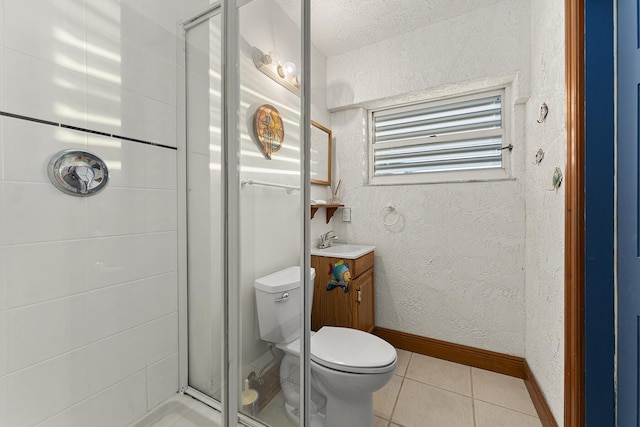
[{"x": 493, "y": 175}]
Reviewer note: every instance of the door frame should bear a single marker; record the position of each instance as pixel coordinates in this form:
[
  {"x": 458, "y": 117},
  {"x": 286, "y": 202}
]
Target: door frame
[
  {"x": 590, "y": 214},
  {"x": 574, "y": 396}
]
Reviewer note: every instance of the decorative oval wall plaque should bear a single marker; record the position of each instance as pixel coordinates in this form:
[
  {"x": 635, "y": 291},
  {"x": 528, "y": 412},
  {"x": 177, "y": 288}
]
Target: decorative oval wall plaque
[{"x": 269, "y": 129}]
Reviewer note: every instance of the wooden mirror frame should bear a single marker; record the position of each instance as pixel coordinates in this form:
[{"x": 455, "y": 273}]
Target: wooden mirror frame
[{"x": 317, "y": 146}]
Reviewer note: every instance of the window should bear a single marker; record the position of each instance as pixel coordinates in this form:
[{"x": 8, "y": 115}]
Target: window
[{"x": 414, "y": 143}]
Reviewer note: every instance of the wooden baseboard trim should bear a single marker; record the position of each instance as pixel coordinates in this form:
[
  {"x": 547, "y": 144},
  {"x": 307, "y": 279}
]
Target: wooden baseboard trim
[
  {"x": 484, "y": 359},
  {"x": 540, "y": 403},
  {"x": 471, "y": 356}
]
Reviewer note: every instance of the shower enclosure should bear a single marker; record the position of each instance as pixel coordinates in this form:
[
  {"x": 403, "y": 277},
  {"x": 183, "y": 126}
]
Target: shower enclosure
[
  {"x": 112, "y": 302},
  {"x": 235, "y": 230}
]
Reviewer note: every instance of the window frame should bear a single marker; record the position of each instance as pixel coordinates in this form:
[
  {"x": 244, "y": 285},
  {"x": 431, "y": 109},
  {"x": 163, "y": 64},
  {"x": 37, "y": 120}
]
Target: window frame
[{"x": 469, "y": 175}]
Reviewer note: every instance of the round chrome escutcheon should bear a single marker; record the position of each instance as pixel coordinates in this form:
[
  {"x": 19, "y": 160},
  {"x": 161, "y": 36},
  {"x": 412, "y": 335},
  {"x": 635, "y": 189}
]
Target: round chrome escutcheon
[{"x": 78, "y": 173}]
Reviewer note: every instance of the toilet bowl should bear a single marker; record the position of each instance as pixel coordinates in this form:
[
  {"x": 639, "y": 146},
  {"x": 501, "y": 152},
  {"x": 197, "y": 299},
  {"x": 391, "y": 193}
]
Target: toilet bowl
[{"x": 347, "y": 365}]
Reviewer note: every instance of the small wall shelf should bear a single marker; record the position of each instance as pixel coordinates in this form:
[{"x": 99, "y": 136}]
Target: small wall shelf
[{"x": 331, "y": 209}]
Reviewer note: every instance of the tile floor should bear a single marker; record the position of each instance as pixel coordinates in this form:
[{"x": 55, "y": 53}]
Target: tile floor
[
  {"x": 426, "y": 391},
  {"x": 430, "y": 392}
]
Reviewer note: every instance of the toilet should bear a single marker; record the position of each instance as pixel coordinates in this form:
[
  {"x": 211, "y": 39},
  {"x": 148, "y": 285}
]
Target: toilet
[{"x": 347, "y": 365}]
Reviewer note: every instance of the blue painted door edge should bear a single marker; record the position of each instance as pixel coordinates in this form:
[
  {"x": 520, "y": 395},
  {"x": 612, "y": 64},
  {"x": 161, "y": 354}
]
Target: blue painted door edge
[{"x": 599, "y": 214}]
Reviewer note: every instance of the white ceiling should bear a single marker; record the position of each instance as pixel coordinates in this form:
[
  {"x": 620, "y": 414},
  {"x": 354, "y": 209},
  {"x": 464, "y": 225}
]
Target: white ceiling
[{"x": 338, "y": 26}]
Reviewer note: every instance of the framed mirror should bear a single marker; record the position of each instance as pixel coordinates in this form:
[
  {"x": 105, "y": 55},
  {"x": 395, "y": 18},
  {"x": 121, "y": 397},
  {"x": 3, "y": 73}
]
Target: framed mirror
[{"x": 320, "y": 154}]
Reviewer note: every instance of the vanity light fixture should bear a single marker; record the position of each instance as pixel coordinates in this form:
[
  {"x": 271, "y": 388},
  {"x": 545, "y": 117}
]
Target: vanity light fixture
[{"x": 283, "y": 73}]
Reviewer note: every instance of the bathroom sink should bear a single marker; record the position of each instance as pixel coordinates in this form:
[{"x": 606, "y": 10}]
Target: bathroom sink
[{"x": 343, "y": 250}]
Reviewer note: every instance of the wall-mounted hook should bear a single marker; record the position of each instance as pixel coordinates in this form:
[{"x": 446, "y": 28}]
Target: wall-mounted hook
[
  {"x": 557, "y": 179},
  {"x": 544, "y": 110},
  {"x": 508, "y": 147},
  {"x": 539, "y": 157}
]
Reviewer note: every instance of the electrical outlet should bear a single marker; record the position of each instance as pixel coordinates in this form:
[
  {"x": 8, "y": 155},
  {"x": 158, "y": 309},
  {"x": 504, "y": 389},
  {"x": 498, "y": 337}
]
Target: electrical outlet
[{"x": 346, "y": 214}]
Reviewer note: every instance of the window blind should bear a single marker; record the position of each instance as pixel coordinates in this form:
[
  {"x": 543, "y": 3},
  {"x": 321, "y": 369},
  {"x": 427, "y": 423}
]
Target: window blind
[{"x": 462, "y": 135}]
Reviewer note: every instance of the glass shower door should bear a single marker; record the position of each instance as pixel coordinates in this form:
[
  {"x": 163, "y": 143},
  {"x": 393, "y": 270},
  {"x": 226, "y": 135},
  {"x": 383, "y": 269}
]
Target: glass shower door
[
  {"x": 272, "y": 210},
  {"x": 244, "y": 169},
  {"x": 205, "y": 244},
  {"x": 270, "y": 215}
]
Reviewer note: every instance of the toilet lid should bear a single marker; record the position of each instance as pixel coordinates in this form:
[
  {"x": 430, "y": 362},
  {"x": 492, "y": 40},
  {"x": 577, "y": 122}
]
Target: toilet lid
[{"x": 351, "y": 350}]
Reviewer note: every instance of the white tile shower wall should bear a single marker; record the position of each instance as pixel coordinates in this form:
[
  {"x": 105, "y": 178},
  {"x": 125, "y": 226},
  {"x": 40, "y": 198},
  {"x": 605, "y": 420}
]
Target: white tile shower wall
[
  {"x": 109, "y": 363},
  {"x": 3, "y": 400},
  {"x": 52, "y": 31},
  {"x": 31, "y": 340},
  {"x": 3, "y": 264},
  {"x": 162, "y": 376},
  {"x": 1, "y": 79},
  {"x": 86, "y": 284},
  {"x": 47, "y": 388},
  {"x": 3, "y": 346},
  {"x": 162, "y": 338},
  {"x": 76, "y": 415},
  {"x": 120, "y": 403},
  {"x": 48, "y": 91},
  {"x": 452, "y": 268}
]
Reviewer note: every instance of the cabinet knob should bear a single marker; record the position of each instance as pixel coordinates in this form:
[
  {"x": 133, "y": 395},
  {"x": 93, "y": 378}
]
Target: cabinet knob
[{"x": 359, "y": 299}]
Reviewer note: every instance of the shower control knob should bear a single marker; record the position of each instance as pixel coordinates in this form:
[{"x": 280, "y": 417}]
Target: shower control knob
[
  {"x": 80, "y": 176},
  {"x": 78, "y": 173}
]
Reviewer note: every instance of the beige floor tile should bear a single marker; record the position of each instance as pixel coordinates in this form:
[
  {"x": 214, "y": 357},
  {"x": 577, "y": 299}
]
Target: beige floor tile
[
  {"x": 403, "y": 361},
  {"x": 380, "y": 422},
  {"x": 440, "y": 373},
  {"x": 274, "y": 414},
  {"x": 385, "y": 399},
  {"x": 421, "y": 405},
  {"x": 501, "y": 390},
  {"x": 488, "y": 415}
]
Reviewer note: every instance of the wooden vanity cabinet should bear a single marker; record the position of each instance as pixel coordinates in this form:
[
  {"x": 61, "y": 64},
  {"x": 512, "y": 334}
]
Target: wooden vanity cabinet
[{"x": 354, "y": 309}]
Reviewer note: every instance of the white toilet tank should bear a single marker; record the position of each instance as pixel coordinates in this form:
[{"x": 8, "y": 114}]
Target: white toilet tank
[{"x": 278, "y": 298}]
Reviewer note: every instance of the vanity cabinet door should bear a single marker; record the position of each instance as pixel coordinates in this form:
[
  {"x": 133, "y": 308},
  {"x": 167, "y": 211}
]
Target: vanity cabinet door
[
  {"x": 364, "y": 303},
  {"x": 351, "y": 309},
  {"x": 334, "y": 307}
]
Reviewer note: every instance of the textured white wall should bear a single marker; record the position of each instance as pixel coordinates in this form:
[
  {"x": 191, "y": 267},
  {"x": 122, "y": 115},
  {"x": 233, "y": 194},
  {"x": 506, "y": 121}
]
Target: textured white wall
[
  {"x": 453, "y": 266},
  {"x": 88, "y": 286},
  {"x": 487, "y": 43},
  {"x": 545, "y": 209}
]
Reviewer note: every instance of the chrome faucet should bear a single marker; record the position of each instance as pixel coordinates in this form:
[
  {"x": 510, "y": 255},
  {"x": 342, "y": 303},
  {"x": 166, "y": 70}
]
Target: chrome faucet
[{"x": 326, "y": 239}]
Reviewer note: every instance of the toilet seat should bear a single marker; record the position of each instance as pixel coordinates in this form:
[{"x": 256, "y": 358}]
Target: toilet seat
[
  {"x": 347, "y": 350},
  {"x": 352, "y": 351}
]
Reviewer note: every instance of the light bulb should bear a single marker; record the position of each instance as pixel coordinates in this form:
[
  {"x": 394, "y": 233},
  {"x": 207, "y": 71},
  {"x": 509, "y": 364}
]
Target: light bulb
[{"x": 289, "y": 69}]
